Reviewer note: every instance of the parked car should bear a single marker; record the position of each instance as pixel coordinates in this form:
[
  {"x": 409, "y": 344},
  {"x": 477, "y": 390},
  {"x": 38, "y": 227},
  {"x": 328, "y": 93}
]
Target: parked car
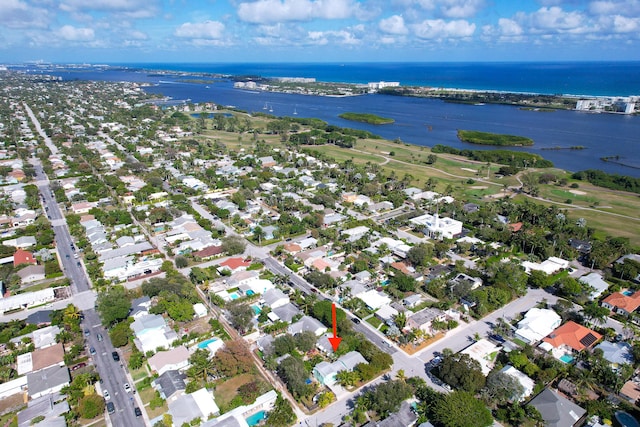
[
  {"x": 115, "y": 356},
  {"x": 86, "y": 332},
  {"x": 137, "y": 411},
  {"x": 106, "y": 395},
  {"x": 92, "y": 351},
  {"x": 127, "y": 388},
  {"x": 78, "y": 366},
  {"x": 99, "y": 337},
  {"x": 111, "y": 408},
  {"x": 355, "y": 320}
]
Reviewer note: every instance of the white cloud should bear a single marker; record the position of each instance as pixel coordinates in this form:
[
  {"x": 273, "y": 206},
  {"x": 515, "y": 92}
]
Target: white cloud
[
  {"x": 440, "y": 29},
  {"x": 393, "y": 25},
  {"x": 607, "y": 7},
  {"x": 461, "y": 8},
  {"x": 557, "y": 19},
  {"x": 446, "y": 8},
  {"x": 272, "y": 11},
  {"x": 129, "y": 8},
  {"x": 343, "y": 37},
  {"x": 622, "y": 24},
  {"x": 75, "y": 34},
  {"x": 509, "y": 27},
  {"x": 207, "y": 30},
  {"x": 19, "y": 14}
]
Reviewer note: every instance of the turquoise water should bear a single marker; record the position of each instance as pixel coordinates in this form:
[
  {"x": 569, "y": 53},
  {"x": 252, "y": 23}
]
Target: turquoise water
[
  {"x": 385, "y": 282},
  {"x": 566, "y": 358},
  {"x": 250, "y": 292},
  {"x": 628, "y": 293},
  {"x": 234, "y": 295},
  {"x": 204, "y": 344},
  {"x": 255, "y": 418},
  {"x": 256, "y": 309},
  {"x": 626, "y": 420}
]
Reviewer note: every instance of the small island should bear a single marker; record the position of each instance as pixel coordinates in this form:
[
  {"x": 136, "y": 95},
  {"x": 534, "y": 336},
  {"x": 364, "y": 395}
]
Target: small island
[
  {"x": 486, "y": 138},
  {"x": 372, "y": 119}
]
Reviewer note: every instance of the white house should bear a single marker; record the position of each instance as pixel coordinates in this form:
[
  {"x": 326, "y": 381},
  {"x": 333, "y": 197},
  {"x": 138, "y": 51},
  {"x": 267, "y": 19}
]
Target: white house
[
  {"x": 597, "y": 283},
  {"x": 171, "y": 360},
  {"x": 537, "y": 324},
  {"x": 275, "y": 298},
  {"x": 436, "y": 227},
  {"x": 549, "y": 266},
  {"x": 527, "y": 383}
]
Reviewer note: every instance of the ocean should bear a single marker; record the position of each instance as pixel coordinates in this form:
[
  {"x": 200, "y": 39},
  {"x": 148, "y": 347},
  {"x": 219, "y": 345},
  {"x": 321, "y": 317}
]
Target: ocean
[
  {"x": 429, "y": 121},
  {"x": 571, "y": 78}
]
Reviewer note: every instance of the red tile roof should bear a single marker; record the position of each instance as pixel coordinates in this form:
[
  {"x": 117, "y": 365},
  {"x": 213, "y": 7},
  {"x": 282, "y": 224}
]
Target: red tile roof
[
  {"x": 235, "y": 263},
  {"x": 516, "y": 226},
  {"x": 628, "y": 303},
  {"x": 208, "y": 252},
  {"x": 573, "y": 335},
  {"x": 23, "y": 257}
]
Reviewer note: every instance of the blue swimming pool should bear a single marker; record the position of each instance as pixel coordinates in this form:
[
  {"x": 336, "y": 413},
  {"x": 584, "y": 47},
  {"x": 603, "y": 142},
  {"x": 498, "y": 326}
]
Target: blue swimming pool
[
  {"x": 250, "y": 292},
  {"x": 204, "y": 344},
  {"x": 566, "y": 358},
  {"x": 256, "y": 418},
  {"x": 628, "y": 293},
  {"x": 234, "y": 295},
  {"x": 256, "y": 309},
  {"x": 626, "y": 420}
]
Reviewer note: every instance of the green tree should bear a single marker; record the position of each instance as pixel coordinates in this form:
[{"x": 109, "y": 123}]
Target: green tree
[
  {"x": 113, "y": 305},
  {"x": 240, "y": 316},
  {"x": 460, "y": 371},
  {"x": 281, "y": 415},
  {"x": 403, "y": 282},
  {"x": 181, "y": 262},
  {"x": 201, "y": 365},
  {"x": 233, "y": 245},
  {"x": 120, "y": 334},
  {"x": 503, "y": 388},
  {"x": 461, "y": 409},
  {"x": 420, "y": 255}
]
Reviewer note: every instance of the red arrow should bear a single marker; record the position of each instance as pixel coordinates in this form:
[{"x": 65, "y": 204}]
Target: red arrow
[{"x": 335, "y": 340}]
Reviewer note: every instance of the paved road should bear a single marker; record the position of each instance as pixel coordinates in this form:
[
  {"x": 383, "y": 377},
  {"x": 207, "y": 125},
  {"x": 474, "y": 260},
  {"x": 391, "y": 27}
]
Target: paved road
[{"x": 113, "y": 379}]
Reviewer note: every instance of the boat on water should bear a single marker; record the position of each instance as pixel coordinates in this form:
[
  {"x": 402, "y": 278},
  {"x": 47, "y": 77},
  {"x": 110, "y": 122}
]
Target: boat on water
[
  {"x": 265, "y": 106},
  {"x": 295, "y": 112}
]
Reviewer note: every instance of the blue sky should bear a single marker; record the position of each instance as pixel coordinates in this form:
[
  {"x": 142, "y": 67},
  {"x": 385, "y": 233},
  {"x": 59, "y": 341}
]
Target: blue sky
[{"x": 129, "y": 31}]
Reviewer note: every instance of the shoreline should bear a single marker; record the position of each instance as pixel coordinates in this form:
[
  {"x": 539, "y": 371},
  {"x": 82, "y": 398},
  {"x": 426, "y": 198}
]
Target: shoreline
[{"x": 152, "y": 69}]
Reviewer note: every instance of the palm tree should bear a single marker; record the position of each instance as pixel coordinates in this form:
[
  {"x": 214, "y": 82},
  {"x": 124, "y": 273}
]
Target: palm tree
[{"x": 400, "y": 375}]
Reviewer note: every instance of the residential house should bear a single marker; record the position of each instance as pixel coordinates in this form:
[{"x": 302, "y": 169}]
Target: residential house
[
  {"x": 405, "y": 417},
  {"x": 40, "y": 358},
  {"x": 424, "y": 319},
  {"x": 140, "y": 307},
  {"x": 631, "y": 391},
  {"x": 573, "y": 336},
  {"x": 597, "y": 284},
  {"x": 437, "y": 228},
  {"x": 47, "y": 381},
  {"x": 307, "y": 323},
  {"x": 557, "y": 411},
  {"x": 186, "y": 407},
  {"x": 537, "y": 324},
  {"x": 617, "y": 354},
  {"x": 527, "y": 383},
  {"x": 466, "y": 281},
  {"x": 175, "y": 359},
  {"x": 51, "y": 407},
  {"x": 285, "y": 313},
  {"x": 275, "y": 298},
  {"x": 374, "y": 299},
  {"x": 326, "y": 372},
  {"x": 622, "y": 303},
  {"x": 387, "y": 314},
  {"x": 170, "y": 383},
  {"x": 31, "y": 274},
  {"x": 484, "y": 352},
  {"x": 355, "y": 234},
  {"x": 23, "y": 257},
  {"x": 27, "y": 299},
  {"x": 45, "y": 337},
  {"x": 549, "y": 266},
  {"x": 152, "y": 332},
  {"x": 412, "y": 300},
  {"x": 22, "y": 242},
  {"x": 234, "y": 264}
]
